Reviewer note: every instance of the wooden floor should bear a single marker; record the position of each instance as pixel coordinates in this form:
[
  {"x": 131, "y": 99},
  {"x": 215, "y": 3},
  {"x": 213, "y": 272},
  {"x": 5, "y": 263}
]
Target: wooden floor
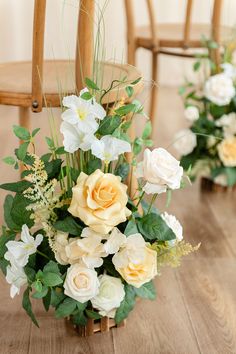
[{"x": 195, "y": 311}]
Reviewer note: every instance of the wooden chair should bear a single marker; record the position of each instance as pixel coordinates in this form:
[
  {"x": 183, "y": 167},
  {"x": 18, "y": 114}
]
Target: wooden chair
[
  {"x": 167, "y": 38},
  {"x": 37, "y": 84}
]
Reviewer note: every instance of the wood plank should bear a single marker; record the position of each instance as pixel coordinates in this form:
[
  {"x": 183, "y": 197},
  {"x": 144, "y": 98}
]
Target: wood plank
[{"x": 209, "y": 288}]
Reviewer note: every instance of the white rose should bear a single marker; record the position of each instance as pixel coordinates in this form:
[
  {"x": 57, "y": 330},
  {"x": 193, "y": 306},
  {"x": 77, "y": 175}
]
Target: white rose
[
  {"x": 160, "y": 170},
  {"x": 88, "y": 250},
  {"x": 174, "y": 225},
  {"x": 191, "y": 113},
  {"x": 81, "y": 283},
  {"x": 60, "y": 243},
  {"x": 228, "y": 122},
  {"x": 185, "y": 141},
  {"x": 111, "y": 293},
  {"x": 219, "y": 89},
  {"x": 229, "y": 70}
]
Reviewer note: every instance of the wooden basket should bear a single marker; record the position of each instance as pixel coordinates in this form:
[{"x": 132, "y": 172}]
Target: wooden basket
[
  {"x": 209, "y": 185},
  {"x": 97, "y": 326}
]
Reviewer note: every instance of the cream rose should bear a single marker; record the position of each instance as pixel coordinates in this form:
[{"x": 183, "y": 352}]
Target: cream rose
[
  {"x": 99, "y": 200},
  {"x": 60, "y": 243},
  {"x": 88, "y": 250},
  {"x": 136, "y": 262},
  {"x": 111, "y": 293},
  {"x": 160, "y": 170},
  {"x": 219, "y": 89},
  {"x": 227, "y": 152},
  {"x": 191, "y": 113},
  {"x": 81, "y": 283},
  {"x": 185, "y": 141}
]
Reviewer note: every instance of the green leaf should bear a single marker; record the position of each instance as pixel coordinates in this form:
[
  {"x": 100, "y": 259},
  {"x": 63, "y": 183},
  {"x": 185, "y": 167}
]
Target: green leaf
[
  {"x": 51, "y": 279},
  {"x": 66, "y": 308},
  {"x": 6, "y": 236},
  {"x": 79, "y": 319},
  {"x": 122, "y": 170},
  {"x": 53, "y": 168},
  {"x": 19, "y": 214},
  {"x": 57, "y": 296},
  {"x": 68, "y": 225},
  {"x": 50, "y": 142},
  {"x": 28, "y": 307},
  {"x": 124, "y": 110},
  {"x": 146, "y": 205},
  {"x": 40, "y": 294},
  {"x": 147, "y": 130},
  {"x": 93, "y": 165},
  {"x": 7, "y": 213},
  {"x": 131, "y": 228},
  {"x": 91, "y": 84},
  {"x": 30, "y": 273},
  {"x": 196, "y": 65},
  {"x": 129, "y": 90},
  {"x": 86, "y": 96},
  {"x": 60, "y": 150},
  {"x": 153, "y": 227},
  {"x": 52, "y": 267},
  {"x": 126, "y": 305},
  {"x": 146, "y": 291},
  {"x": 47, "y": 300},
  {"x": 16, "y": 186},
  {"x": 109, "y": 125},
  {"x": 3, "y": 265},
  {"x": 148, "y": 143},
  {"x": 46, "y": 157},
  {"x": 21, "y": 132},
  {"x": 136, "y": 81},
  {"x": 231, "y": 175},
  {"x": 9, "y": 160},
  {"x": 22, "y": 150},
  {"x": 35, "y": 131},
  {"x": 138, "y": 145},
  {"x": 93, "y": 314},
  {"x": 126, "y": 125}
]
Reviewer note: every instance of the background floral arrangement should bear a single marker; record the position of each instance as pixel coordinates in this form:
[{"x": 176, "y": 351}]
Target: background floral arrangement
[
  {"x": 209, "y": 145},
  {"x": 73, "y": 237}
]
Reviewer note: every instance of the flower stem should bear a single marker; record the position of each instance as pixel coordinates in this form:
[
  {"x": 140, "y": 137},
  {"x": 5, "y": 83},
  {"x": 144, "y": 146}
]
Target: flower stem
[
  {"x": 152, "y": 201},
  {"x": 140, "y": 198},
  {"x": 42, "y": 254}
]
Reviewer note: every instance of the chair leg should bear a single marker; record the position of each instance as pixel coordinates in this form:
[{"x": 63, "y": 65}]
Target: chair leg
[
  {"x": 154, "y": 92},
  {"x": 24, "y": 121},
  {"x": 131, "y": 53}
]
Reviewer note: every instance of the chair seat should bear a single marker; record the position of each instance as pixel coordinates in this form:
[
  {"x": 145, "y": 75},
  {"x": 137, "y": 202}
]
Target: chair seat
[
  {"x": 171, "y": 35},
  {"x": 59, "y": 79}
]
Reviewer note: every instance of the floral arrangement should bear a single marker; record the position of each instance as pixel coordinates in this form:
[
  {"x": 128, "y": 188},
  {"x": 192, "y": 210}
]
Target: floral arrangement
[
  {"x": 208, "y": 146},
  {"x": 74, "y": 235}
]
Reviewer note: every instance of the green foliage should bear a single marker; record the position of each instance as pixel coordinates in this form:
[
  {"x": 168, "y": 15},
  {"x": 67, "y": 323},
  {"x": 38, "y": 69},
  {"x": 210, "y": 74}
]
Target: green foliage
[
  {"x": 57, "y": 296},
  {"x": 47, "y": 300},
  {"x": 7, "y": 206},
  {"x": 16, "y": 186},
  {"x": 93, "y": 165},
  {"x": 19, "y": 213},
  {"x": 146, "y": 291},
  {"x": 51, "y": 279},
  {"x": 68, "y": 225},
  {"x": 153, "y": 227},
  {"x": 79, "y": 318},
  {"x": 131, "y": 228},
  {"x": 35, "y": 131},
  {"x": 126, "y": 305},
  {"x": 129, "y": 90},
  {"x": 92, "y": 314},
  {"x": 122, "y": 170},
  {"x": 28, "y": 307},
  {"x": 53, "y": 168},
  {"x": 6, "y": 236},
  {"x": 91, "y": 84},
  {"x": 21, "y": 151},
  {"x": 124, "y": 110},
  {"x": 9, "y": 160},
  {"x": 86, "y": 96},
  {"x": 196, "y": 65},
  {"x": 68, "y": 306},
  {"x": 171, "y": 254},
  {"x": 147, "y": 130},
  {"x": 21, "y": 132},
  {"x": 135, "y": 82},
  {"x": 108, "y": 125}
]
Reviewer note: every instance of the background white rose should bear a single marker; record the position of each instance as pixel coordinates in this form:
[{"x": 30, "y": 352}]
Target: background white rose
[
  {"x": 160, "y": 170},
  {"x": 111, "y": 293},
  {"x": 174, "y": 225},
  {"x": 60, "y": 243},
  {"x": 228, "y": 123},
  {"x": 185, "y": 141},
  {"x": 81, "y": 283},
  {"x": 219, "y": 89},
  {"x": 191, "y": 113}
]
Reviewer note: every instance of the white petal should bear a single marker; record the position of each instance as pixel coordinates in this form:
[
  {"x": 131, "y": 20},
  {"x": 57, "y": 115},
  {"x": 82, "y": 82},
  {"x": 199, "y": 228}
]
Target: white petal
[
  {"x": 71, "y": 101},
  {"x": 115, "y": 241},
  {"x": 150, "y": 188}
]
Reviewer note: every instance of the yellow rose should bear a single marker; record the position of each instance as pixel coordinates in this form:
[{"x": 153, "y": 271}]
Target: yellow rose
[
  {"x": 99, "y": 200},
  {"x": 227, "y": 152},
  {"x": 136, "y": 263}
]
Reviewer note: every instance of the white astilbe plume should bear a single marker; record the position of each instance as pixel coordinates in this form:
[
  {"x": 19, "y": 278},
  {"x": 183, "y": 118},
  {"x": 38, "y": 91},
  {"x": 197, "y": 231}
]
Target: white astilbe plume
[{"x": 43, "y": 197}]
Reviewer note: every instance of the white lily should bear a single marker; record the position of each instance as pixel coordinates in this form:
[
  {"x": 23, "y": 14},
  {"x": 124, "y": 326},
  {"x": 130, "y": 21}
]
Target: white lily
[
  {"x": 17, "y": 278},
  {"x": 75, "y": 139},
  {"x": 109, "y": 148},
  {"x": 19, "y": 251},
  {"x": 82, "y": 113}
]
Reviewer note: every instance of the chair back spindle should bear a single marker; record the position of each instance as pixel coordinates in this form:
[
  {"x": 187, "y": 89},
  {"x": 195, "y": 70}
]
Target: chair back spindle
[{"x": 187, "y": 24}]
